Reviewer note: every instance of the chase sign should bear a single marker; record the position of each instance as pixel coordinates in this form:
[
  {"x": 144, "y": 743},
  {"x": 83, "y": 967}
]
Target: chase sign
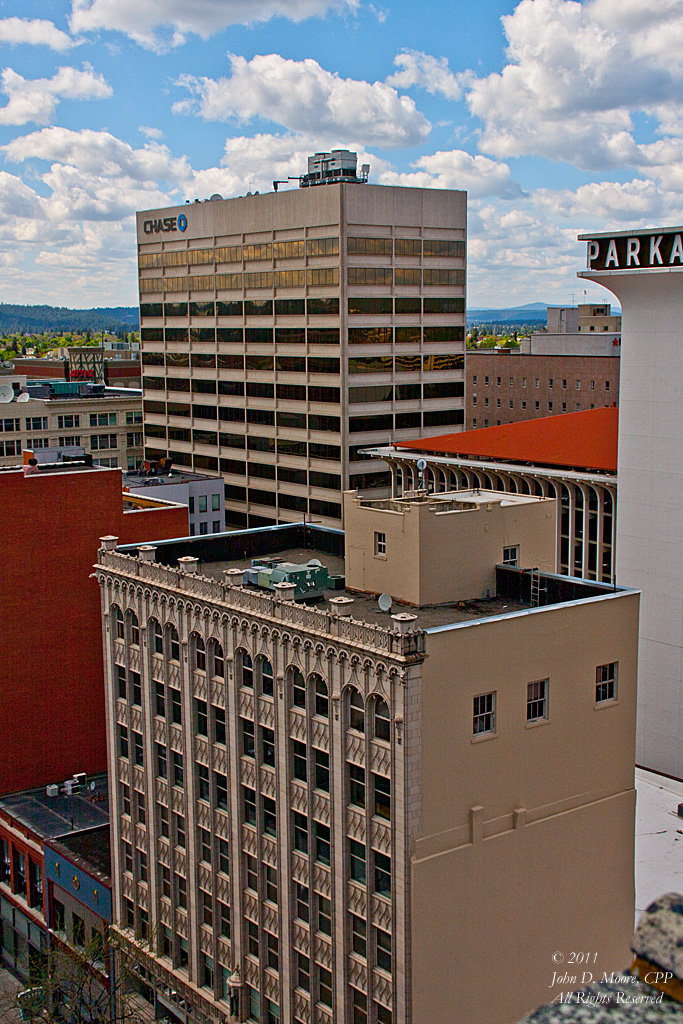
[
  {"x": 153, "y": 227},
  {"x": 641, "y": 251}
]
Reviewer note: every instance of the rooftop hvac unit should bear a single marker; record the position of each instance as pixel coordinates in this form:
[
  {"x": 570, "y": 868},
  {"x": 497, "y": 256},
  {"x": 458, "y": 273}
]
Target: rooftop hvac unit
[{"x": 52, "y": 790}]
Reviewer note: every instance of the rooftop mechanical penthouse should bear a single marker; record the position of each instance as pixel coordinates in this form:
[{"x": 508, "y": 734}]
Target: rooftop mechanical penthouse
[{"x": 345, "y": 802}]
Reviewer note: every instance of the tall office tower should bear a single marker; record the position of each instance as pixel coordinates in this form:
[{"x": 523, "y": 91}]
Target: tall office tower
[
  {"x": 330, "y": 814},
  {"x": 283, "y": 333}
]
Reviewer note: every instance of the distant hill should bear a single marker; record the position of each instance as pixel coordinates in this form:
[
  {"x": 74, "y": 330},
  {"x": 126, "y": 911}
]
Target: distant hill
[
  {"x": 41, "y": 319},
  {"x": 533, "y": 312}
]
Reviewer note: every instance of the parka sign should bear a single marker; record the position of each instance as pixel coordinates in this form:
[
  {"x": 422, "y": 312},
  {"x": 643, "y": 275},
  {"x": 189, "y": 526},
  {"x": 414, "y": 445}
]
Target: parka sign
[
  {"x": 153, "y": 227},
  {"x": 636, "y": 252}
]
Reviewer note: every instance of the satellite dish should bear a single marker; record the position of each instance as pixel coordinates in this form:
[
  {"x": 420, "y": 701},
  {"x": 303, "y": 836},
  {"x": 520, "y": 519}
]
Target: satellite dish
[
  {"x": 384, "y": 602},
  {"x": 315, "y": 561},
  {"x": 92, "y": 787},
  {"x": 422, "y": 464},
  {"x": 6, "y": 394},
  {"x": 24, "y": 397},
  {"x": 214, "y": 197}
]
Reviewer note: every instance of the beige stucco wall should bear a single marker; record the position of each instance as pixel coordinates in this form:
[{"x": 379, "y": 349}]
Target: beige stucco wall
[
  {"x": 545, "y": 863},
  {"x": 436, "y": 557}
]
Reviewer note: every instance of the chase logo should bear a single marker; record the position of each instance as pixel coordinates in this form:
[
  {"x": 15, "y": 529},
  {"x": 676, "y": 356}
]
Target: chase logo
[{"x": 153, "y": 227}]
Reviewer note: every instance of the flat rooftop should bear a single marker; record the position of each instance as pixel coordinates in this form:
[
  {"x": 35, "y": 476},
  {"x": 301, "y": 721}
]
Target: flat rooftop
[
  {"x": 176, "y": 476},
  {"x": 53, "y": 816},
  {"x": 299, "y": 543},
  {"x": 89, "y": 850},
  {"x": 365, "y": 606}
]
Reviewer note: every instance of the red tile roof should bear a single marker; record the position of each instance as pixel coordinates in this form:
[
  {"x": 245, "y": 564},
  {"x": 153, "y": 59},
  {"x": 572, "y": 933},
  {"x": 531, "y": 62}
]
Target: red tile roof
[{"x": 580, "y": 440}]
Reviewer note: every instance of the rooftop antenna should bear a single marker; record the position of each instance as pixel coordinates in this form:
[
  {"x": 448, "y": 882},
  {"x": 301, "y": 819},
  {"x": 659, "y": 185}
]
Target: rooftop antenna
[{"x": 421, "y": 466}]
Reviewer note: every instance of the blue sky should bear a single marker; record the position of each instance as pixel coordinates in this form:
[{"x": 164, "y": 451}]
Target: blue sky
[{"x": 556, "y": 116}]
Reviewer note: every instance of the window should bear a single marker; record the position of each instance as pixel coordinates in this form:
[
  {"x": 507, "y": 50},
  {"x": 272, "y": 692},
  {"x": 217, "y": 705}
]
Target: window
[
  {"x": 163, "y": 820},
  {"x": 356, "y": 785},
  {"x": 359, "y": 1005},
  {"x": 247, "y": 671},
  {"x": 174, "y": 644},
  {"x": 358, "y": 935},
  {"x": 142, "y": 863},
  {"x": 223, "y": 915},
  {"x": 269, "y": 816},
  {"x": 125, "y": 800},
  {"x": 162, "y": 764},
  {"x": 204, "y": 845},
  {"x": 78, "y": 930},
  {"x": 266, "y": 677},
  {"x": 247, "y": 737},
  {"x": 383, "y": 949},
  {"x": 268, "y": 747},
  {"x": 179, "y": 830},
  {"x": 321, "y": 698},
  {"x": 155, "y": 629},
  {"x": 201, "y": 717},
  {"x": 199, "y": 654},
  {"x": 249, "y": 800},
  {"x": 382, "y": 721},
  {"x": 382, "y": 788},
  {"x": 511, "y": 555},
  {"x": 300, "y": 763},
  {"x": 140, "y": 806},
  {"x": 578, "y": 385},
  {"x": 121, "y": 680},
  {"x": 606, "y": 682},
  {"x": 138, "y": 748},
  {"x": 118, "y": 622},
  {"x": 203, "y": 786},
  {"x": 300, "y": 832},
  {"x": 324, "y": 986},
  {"x": 356, "y": 711},
  {"x": 303, "y": 972},
  {"x": 357, "y": 861},
  {"x": 221, "y": 784},
  {"x": 321, "y": 762},
  {"x": 324, "y": 922},
  {"x": 302, "y": 898},
  {"x": 537, "y": 701},
  {"x": 178, "y": 772},
  {"x": 564, "y": 383},
  {"x": 380, "y": 545},
  {"x": 252, "y": 941},
  {"x": 382, "y": 874},
  {"x": 223, "y": 856},
  {"x": 484, "y": 717},
  {"x": 217, "y": 661},
  {"x": 181, "y": 889},
  {"x": 298, "y": 689},
  {"x": 322, "y": 842},
  {"x": 271, "y": 883}
]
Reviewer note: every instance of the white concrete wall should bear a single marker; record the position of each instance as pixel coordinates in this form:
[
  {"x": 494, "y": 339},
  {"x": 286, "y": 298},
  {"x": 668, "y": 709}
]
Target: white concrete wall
[{"x": 650, "y": 501}]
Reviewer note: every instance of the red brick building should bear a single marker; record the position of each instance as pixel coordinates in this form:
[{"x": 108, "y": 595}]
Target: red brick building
[
  {"x": 51, "y": 674},
  {"x": 505, "y": 386}
]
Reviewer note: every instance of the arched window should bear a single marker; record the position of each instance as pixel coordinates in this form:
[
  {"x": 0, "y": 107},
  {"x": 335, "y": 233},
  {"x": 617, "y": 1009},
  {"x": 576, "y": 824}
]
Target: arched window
[
  {"x": 356, "y": 706},
  {"x": 134, "y": 630},
  {"x": 266, "y": 677},
  {"x": 322, "y": 703},
  {"x": 382, "y": 721},
  {"x": 157, "y": 636},
  {"x": 217, "y": 661},
  {"x": 173, "y": 644},
  {"x": 117, "y": 618},
  {"x": 199, "y": 653},
  {"x": 246, "y": 670},
  {"x": 298, "y": 688}
]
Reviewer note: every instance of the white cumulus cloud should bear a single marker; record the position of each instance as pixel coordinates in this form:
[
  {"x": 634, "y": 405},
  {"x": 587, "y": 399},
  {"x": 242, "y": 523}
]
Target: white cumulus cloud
[
  {"x": 304, "y": 97},
  {"x": 457, "y": 169},
  {"x": 36, "y": 99},
  {"x": 35, "y": 32},
  {"x": 430, "y": 73},
  {"x": 575, "y": 74},
  {"x": 157, "y": 24}
]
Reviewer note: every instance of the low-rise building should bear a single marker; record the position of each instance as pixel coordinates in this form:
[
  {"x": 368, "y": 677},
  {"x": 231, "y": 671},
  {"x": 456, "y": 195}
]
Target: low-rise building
[
  {"x": 570, "y": 367},
  {"x": 51, "y": 682},
  {"x": 106, "y": 422},
  {"x": 30, "y": 910},
  {"x": 352, "y": 810},
  {"x": 203, "y": 495}
]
